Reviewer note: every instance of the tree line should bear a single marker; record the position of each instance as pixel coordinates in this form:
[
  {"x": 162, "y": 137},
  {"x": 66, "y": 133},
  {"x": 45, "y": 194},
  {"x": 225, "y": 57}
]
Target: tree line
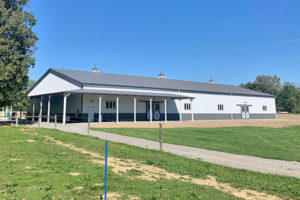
[{"x": 287, "y": 94}]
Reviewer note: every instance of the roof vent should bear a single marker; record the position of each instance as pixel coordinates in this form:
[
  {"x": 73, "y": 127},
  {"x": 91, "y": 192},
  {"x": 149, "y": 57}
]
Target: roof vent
[
  {"x": 211, "y": 80},
  {"x": 161, "y": 75},
  {"x": 95, "y": 69}
]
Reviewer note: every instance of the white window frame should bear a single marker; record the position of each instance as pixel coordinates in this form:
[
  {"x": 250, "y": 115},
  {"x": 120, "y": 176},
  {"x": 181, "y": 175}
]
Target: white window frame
[
  {"x": 187, "y": 106},
  {"x": 110, "y": 105},
  {"x": 265, "y": 108},
  {"x": 220, "y": 107}
]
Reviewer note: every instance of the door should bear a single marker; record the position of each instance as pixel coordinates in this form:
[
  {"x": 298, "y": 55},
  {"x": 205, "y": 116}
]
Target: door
[
  {"x": 155, "y": 111},
  {"x": 91, "y": 113},
  {"x": 245, "y": 111}
]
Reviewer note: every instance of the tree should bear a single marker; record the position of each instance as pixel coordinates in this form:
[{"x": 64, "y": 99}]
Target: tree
[
  {"x": 266, "y": 84},
  {"x": 248, "y": 85},
  {"x": 17, "y": 46},
  {"x": 30, "y": 83},
  {"x": 289, "y": 98}
]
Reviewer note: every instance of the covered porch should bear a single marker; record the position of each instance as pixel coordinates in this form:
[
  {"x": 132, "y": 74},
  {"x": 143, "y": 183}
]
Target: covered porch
[{"x": 85, "y": 105}]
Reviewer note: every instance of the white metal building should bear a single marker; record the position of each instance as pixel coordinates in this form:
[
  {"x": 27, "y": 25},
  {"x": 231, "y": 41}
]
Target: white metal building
[{"x": 76, "y": 95}]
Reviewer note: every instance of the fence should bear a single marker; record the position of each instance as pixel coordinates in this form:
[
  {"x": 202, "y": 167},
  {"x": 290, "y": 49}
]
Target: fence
[{"x": 29, "y": 119}]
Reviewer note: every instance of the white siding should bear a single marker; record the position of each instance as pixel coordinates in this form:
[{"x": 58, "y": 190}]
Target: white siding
[
  {"x": 203, "y": 103},
  {"x": 52, "y": 84},
  {"x": 125, "y": 104},
  {"x": 208, "y": 103}
]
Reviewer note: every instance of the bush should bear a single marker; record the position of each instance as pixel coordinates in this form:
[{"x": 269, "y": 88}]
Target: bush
[{"x": 296, "y": 110}]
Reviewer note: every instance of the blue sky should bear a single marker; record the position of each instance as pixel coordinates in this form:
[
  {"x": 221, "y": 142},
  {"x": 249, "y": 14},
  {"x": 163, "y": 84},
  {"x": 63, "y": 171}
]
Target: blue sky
[{"x": 229, "y": 41}]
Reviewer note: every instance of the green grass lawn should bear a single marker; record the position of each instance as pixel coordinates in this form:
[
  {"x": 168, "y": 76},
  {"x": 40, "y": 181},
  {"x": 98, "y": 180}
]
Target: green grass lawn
[
  {"x": 276, "y": 143},
  {"x": 34, "y": 168}
]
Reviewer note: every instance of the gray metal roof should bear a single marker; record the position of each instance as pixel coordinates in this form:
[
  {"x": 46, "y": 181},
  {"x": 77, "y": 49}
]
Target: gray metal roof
[
  {"x": 99, "y": 78},
  {"x": 129, "y": 93}
]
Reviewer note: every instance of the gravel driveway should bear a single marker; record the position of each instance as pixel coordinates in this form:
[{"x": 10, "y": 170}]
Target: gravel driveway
[{"x": 267, "y": 166}]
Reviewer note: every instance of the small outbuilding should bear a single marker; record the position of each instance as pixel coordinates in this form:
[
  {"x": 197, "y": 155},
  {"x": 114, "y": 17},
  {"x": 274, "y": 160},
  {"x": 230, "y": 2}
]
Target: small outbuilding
[{"x": 76, "y": 96}]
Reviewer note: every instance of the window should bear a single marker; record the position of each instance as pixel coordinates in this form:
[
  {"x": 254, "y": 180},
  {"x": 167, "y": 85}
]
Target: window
[
  {"x": 243, "y": 108},
  {"x": 265, "y": 108},
  {"x": 247, "y": 108},
  {"x": 110, "y": 104},
  {"x": 220, "y": 107},
  {"x": 187, "y": 106}
]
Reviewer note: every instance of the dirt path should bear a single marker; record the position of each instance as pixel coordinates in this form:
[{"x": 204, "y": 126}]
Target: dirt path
[
  {"x": 283, "y": 120},
  {"x": 262, "y": 165},
  {"x": 152, "y": 173}
]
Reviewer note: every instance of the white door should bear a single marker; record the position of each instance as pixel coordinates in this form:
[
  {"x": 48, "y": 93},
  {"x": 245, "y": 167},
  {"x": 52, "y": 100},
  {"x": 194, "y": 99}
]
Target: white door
[
  {"x": 245, "y": 111},
  {"x": 91, "y": 113}
]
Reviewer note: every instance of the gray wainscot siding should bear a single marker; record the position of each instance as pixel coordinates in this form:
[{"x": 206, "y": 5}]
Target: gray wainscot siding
[{"x": 201, "y": 116}]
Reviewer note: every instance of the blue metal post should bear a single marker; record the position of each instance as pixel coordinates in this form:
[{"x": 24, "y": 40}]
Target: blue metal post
[{"x": 105, "y": 185}]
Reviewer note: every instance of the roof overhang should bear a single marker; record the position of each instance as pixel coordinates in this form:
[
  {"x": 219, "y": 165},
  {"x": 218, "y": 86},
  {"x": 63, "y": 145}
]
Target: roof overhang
[
  {"x": 124, "y": 93},
  {"x": 129, "y": 93}
]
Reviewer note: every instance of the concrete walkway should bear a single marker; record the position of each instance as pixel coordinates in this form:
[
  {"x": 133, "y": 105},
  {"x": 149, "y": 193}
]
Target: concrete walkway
[{"x": 267, "y": 166}]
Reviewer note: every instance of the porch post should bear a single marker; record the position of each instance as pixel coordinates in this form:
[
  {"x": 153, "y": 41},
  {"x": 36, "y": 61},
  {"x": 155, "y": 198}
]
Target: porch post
[
  {"x": 180, "y": 115},
  {"x": 166, "y": 110},
  {"x": 100, "y": 113},
  {"x": 33, "y": 109},
  {"x": 150, "y": 110},
  {"x": 11, "y": 111},
  {"x": 192, "y": 111},
  {"x": 65, "y": 108},
  {"x": 134, "y": 109},
  {"x": 41, "y": 109},
  {"x": 117, "y": 109},
  {"x": 48, "y": 113}
]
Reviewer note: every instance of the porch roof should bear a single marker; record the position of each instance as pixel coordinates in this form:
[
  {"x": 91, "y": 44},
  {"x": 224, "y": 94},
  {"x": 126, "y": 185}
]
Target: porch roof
[{"x": 129, "y": 93}]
